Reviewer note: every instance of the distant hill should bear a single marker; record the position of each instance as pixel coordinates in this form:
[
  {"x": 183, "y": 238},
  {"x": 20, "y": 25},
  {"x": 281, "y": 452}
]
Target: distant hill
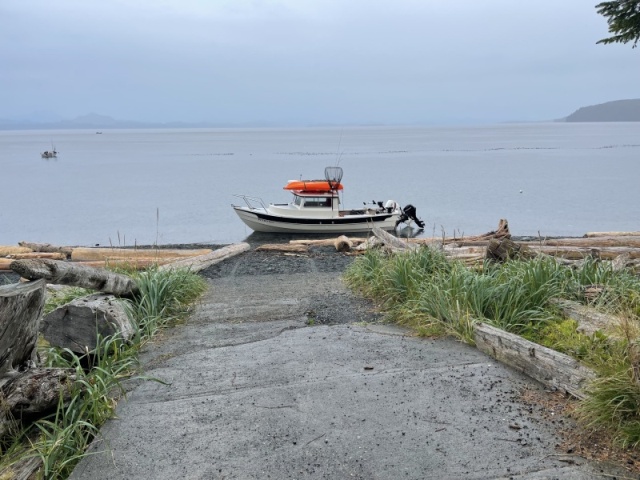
[
  {"x": 96, "y": 121},
  {"x": 616, "y": 111}
]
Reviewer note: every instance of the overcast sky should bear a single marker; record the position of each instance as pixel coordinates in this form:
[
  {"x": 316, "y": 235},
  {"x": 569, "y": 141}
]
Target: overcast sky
[{"x": 310, "y": 61}]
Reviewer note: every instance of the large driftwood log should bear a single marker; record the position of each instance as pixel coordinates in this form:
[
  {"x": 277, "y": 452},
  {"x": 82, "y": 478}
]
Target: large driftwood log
[
  {"x": 501, "y": 250},
  {"x": 588, "y": 318},
  {"x": 595, "y": 242},
  {"x": 34, "y": 393},
  {"x": 129, "y": 263},
  {"x": 547, "y": 366},
  {"x": 201, "y": 262},
  {"x": 21, "y": 306},
  {"x": 325, "y": 242},
  {"x": 474, "y": 240},
  {"x": 80, "y": 254},
  {"x": 66, "y": 273},
  {"x": 282, "y": 247},
  {"x": 51, "y": 256},
  {"x": 78, "y": 324},
  {"x": 394, "y": 243},
  {"x": 6, "y": 250},
  {"x": 611, "y": 234},
  {"x": 46, "y": 247}
]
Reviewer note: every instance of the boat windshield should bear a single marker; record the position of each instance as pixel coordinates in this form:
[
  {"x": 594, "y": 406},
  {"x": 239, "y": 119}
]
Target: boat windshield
[{"x": 317, "y": 202}]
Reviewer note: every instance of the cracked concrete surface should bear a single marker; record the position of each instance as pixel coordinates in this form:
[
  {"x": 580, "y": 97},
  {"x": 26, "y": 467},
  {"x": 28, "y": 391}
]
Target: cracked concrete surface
[{"x": 254, "y": 392}]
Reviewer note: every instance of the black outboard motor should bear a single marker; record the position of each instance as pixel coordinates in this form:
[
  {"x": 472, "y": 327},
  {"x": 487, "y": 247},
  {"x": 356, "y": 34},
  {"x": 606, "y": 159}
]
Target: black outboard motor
[{"x": 409, "y": 213}]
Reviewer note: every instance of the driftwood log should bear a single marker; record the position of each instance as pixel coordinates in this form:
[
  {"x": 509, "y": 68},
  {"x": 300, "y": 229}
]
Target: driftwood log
[
  {"x": 21, "y": 306},
  {"x": 326, "y": 242},
  {"x": 34, "y": 393},
  {"x": 282, "y": 247},
  {"x": 343, "y": 244},
  {"x": 26, "y": 468},
  {"x": 51, "y": 256},
  {"x": 6, "y": 250},
  {"x": 66, "y": 273},
  {"x": 391, "y": 242},
  {"x": 46, "y": 247},
  {"x": 543, "y": 364},
  {"x": 611, "y": 234},
  {"x": 130, "y": 263},
  {"x": 501, "y": 250},
  {"x": 80, "y": 254},
  {"x": 78, "y": 324},
  {"x": 589, "y": 319},
  {"x": 196, "y": 264},
  {"x": 5, "y": 264}
]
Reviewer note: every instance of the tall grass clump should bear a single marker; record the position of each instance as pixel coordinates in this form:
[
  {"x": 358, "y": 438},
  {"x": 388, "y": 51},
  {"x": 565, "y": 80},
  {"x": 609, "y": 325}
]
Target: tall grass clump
[
  {"x": 424, "y": 286},
  {"x": 164, "y": 296},
  {"x": 61, "y": 439},
  {"x": 613, "y": 399}
]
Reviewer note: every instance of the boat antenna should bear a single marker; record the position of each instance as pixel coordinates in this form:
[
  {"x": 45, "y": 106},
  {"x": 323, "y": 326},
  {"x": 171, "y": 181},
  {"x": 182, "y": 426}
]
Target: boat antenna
[{"x": 339, "y": 153}]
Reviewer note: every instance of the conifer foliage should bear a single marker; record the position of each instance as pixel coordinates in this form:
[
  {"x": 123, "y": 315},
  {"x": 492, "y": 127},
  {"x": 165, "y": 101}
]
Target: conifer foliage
[{"x": 623, "y": 17}]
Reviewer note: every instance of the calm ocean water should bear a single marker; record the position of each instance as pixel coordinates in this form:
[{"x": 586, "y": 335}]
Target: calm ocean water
[{"x": 124, "y": 187}]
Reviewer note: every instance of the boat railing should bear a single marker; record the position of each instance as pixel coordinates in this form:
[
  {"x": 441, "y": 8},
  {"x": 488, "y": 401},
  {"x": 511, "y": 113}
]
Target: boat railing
[{"x": 252, "y": 201}]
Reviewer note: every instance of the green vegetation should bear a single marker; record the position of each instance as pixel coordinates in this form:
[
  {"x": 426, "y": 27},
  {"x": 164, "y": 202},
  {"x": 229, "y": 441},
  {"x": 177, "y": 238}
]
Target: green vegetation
[
  {"x": 623, "y": 17},
  {"x": 433, "y": 295},
  {"x": 61, "y": 439}
]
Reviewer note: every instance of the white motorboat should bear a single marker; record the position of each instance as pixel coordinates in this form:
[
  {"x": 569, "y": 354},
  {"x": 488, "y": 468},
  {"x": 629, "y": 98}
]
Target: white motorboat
[{"x": 316, "y": 208}]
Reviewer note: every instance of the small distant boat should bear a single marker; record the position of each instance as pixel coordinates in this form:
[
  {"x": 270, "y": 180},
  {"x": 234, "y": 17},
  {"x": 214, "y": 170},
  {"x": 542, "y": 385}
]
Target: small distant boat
[
  {"x": 49, "y": 153},
  {"x": 98, "y": 133},
  {"x": 315, "y": 208}
]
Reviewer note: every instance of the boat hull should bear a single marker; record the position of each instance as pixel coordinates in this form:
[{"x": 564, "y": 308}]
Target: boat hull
[{"x": 261, "y": 221}]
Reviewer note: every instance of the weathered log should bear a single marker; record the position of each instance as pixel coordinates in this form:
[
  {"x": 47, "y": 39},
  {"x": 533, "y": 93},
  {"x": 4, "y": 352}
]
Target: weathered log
[
  {"x": 5, "y": 263},
  {"x": 133, "y": 263},
  {"x": 543, "y": 364},
  {"x": 621, "y": 262},
  {"x": 91, "y": 254},
  {"x": 78, "y": 324},
  {"x": 326, "y": 242},
  {"x": 6, "y": 250},
  {"x": 611, "y": 234},
  {"x": 21, "y": 306},
  {"x": 66, "y": 273},
  {"x": 578, "y": 253},
  {"x": 51, "y": 256},
  {"x": 392, "y": 242},
  {"x": 371, "y": 242},
  {"x": 46, "y": 247},
  {"x": 24, "y": 469},
  {"x": 343, "y": 244},
  {"x": 282, "y": 247},
  {"x": 588, "y": 318},
  {"x": 201, "y": 262},
  {"x": 34, "y": 393},
  {"x": 501, "y": 250},
  {"x": 475, "y": 240},
  {"x": 595, "y": 242}
]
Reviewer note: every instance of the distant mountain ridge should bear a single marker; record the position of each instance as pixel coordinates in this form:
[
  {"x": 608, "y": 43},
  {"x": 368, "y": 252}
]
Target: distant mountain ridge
[
  {"x": 97, "y": 121},
  {"x": 615, "y": 111}
]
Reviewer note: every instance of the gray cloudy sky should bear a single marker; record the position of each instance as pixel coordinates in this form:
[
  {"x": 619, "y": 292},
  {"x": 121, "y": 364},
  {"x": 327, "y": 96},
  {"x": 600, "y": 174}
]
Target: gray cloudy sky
[{"x": 309, "y": 61}]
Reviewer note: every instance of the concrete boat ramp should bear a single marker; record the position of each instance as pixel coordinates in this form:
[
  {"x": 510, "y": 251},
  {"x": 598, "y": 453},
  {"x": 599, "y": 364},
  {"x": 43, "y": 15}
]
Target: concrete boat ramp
[{"x": 281, "y": 373}]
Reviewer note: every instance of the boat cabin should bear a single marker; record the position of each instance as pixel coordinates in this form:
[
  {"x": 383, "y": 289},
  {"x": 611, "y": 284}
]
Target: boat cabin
[{"x": 310, "y": 204}]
